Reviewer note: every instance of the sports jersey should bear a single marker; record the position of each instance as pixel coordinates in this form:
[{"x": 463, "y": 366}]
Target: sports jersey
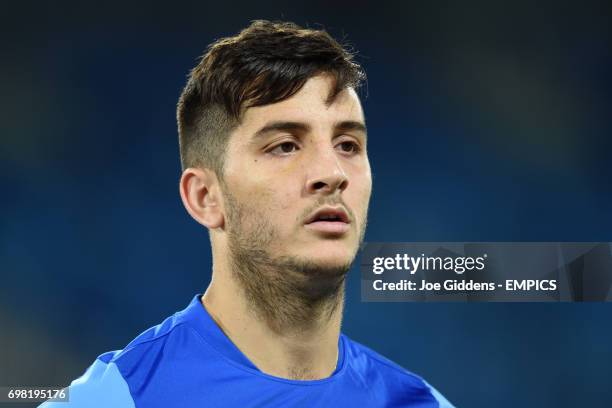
[{"x": 187, "y": 361}]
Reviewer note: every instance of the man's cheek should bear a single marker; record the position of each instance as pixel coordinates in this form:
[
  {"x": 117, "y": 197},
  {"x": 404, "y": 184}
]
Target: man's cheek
[{"x": 269, "y": 202}]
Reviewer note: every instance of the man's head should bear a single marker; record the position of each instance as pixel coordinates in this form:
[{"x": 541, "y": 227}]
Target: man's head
[{"x": 273, "y": 147}]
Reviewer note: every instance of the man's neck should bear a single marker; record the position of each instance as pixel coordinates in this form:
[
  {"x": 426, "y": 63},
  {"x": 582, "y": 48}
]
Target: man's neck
[{"x": 307, "y": 350}]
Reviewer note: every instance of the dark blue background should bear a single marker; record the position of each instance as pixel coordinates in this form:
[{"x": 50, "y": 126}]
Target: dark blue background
[{"x": 487, "y": 122}]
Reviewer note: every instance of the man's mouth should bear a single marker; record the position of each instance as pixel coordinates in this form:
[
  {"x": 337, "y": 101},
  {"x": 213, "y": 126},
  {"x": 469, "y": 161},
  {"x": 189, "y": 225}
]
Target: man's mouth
[{"x": 329, "y": 220}]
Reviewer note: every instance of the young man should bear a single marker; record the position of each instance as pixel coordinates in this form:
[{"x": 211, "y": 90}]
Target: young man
[{"x": 273, "y": 149}]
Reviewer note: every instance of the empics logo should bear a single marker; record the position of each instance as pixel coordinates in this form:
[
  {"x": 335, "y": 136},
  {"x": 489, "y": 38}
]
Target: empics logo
[{"x": 412, "y": 264}]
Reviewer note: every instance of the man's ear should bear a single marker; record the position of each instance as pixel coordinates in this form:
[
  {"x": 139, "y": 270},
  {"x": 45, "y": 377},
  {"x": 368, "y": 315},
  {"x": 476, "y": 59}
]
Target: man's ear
[{"x": 201, "y": 195}]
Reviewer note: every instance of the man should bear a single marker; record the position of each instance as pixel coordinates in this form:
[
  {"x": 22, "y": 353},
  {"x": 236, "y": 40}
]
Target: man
[{"x": 273, "y": 149}]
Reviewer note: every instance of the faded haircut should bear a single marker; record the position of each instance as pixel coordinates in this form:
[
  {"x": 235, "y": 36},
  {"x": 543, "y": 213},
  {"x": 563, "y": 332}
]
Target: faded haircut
[{"x": 265, "y": 63}]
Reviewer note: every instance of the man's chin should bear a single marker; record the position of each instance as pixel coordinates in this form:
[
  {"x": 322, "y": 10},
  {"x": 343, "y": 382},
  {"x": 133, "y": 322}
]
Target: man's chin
[
  {"x": 330, "y": 254},
  {"x": 318, "y": 279},
  {"x": 320, "y": 266},
  {"x": 333, "y": 265}
]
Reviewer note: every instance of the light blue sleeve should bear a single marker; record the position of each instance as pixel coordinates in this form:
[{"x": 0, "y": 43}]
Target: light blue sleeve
[
  {"x": 102, "y": 386},
  {"x": 442, "y": 402}
]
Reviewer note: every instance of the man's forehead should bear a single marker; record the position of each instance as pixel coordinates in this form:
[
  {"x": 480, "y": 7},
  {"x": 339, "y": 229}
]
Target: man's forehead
[{"x": 311, "y": 103}]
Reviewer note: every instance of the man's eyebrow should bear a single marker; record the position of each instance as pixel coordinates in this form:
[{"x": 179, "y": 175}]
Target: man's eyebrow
[
  {"x": 289, "y": 126},
  {"x": 351, "y": 125},
  {"x": 281, "y": 126}
]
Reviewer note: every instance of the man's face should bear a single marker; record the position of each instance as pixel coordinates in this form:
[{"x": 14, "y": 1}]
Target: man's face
[{"x": 293, "y": 164}]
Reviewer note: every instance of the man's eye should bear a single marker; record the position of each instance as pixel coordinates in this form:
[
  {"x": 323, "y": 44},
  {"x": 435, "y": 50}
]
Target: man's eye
[
  {"x": 349, "y": 147},
  {"x": 284, "y": 148}
]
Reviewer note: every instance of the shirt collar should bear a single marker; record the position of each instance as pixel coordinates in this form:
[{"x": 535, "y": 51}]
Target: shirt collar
[{"x": 196, "y": 315}]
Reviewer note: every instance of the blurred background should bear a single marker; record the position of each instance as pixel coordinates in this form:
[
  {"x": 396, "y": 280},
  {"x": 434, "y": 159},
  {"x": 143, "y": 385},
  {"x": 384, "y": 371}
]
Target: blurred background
[{"x": 488, "y": 121}]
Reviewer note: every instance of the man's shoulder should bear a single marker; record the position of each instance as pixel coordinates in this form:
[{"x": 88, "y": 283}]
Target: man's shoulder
[
  {"x": 364, "y": 358},
  {"x": 115, "y": 375},
  {"x": 374, "y": 367},
  {"x": 144, "y": 346},
  {"x": 102, "y": 385}
]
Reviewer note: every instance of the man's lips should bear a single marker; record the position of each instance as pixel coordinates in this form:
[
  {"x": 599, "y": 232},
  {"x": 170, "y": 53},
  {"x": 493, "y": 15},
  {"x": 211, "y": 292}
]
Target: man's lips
[
  {"x": 329, "y": 214},
  {"x": 329, "y": 227},
  {"x": 329, "y": 220}
]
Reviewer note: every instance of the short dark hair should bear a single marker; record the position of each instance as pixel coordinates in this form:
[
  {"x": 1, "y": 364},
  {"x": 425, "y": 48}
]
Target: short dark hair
[{"x": 265, "y": 63}]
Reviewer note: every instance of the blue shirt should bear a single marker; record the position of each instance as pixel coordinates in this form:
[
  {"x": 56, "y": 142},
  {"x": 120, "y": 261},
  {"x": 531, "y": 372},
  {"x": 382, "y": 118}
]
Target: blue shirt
[{"x": 187, "y": 361}]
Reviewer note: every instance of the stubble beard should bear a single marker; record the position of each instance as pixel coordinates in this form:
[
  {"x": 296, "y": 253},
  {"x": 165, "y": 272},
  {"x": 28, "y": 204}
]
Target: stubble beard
[{"x": 289, "y": 293}]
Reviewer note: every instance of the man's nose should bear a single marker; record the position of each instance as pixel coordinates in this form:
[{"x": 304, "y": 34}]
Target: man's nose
[{"x": 326, "y": 174}]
